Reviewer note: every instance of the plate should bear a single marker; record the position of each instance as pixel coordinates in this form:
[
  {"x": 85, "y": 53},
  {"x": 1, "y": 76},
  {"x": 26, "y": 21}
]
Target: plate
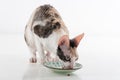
[{"x": 57, "y": 67}]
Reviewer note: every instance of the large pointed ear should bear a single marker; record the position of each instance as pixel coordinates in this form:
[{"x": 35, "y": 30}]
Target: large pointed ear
[
  {"x": 75, "y": 41},
  {"x": 64, "y": 40}
]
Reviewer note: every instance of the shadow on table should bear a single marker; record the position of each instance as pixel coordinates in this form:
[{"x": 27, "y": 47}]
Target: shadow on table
[{"x": 39, "y": 72}]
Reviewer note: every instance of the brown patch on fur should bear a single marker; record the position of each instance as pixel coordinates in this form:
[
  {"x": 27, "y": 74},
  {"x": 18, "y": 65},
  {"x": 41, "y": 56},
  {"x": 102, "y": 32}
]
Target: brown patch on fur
[
  {"x": 48, "y": 14},
  {"x": 33, "y": 60},
  {"x": 52, "y": 19},
  {"x": 73, "y": 52},
  {"x": 45, "y": 31},
  {"x": 45, "y": 12},
  {"x": 64, "y": 53}
]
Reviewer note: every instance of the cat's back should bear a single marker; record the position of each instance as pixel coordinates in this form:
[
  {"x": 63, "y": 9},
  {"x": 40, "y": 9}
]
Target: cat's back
[{"x": 46, "y": 20}]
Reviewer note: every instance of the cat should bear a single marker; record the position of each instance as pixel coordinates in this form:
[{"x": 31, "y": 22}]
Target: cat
[{"x": 47, "y": 34}]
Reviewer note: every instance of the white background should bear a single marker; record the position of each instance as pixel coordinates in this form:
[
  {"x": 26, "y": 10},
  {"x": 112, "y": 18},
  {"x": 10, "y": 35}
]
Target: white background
[
  {"x": 99, "y": 50},
  {"x": 94, "y": 17}
]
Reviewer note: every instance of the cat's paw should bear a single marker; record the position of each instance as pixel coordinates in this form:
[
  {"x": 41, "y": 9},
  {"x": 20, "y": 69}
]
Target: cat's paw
[
  {"x": 55, "y": 60},
  {"x": 33, "y": 60},
  {"x": 42, "y": 61}
]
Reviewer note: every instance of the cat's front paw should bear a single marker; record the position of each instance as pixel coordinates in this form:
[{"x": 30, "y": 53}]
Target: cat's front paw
[
  {"x": 55, "y": 60},
  {"x": 42, "y": 61},
  {"x": 33, "y": 60}
]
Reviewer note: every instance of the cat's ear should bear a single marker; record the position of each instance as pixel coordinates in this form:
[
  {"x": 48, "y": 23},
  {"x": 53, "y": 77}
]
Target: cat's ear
[
  {"x": 75, "y": 41},
  {"x": 64, "y": 40}
]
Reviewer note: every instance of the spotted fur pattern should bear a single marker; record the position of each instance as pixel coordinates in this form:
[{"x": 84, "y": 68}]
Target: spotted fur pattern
[{"x": 43, "y": 32}]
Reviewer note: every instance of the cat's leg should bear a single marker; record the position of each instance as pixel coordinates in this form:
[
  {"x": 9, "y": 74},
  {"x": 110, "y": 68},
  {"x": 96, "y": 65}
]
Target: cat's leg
[
  {"x": 56, "y": 59},
  {"x": 51, "y": 58},
  {"x": 41, "y": 54},
  {"x": 48, "y": 57},
  {"x": 33, "y": 58},
  {"x": 31, "y": 45}
]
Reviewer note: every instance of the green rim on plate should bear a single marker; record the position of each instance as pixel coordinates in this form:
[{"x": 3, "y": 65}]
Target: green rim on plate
[{"x": 57, "y": 67}]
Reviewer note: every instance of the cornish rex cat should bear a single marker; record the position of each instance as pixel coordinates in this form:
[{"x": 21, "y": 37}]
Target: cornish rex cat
[{"x": 47, "y": 34}]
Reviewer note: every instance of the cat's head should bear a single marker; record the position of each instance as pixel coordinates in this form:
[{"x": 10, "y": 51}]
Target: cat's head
[{"x": 67, "y": 50}]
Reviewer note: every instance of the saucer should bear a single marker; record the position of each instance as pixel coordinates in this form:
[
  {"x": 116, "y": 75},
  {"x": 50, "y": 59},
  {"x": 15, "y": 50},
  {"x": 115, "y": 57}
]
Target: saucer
[{"x": 57, "y": 67}]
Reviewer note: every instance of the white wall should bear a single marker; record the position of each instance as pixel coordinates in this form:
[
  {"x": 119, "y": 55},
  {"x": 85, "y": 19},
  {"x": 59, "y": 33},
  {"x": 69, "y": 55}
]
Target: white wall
[{"x": 94, "y": 17}]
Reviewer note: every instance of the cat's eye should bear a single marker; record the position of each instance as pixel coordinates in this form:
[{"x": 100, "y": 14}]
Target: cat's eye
[{"x": 67, "y": 58}]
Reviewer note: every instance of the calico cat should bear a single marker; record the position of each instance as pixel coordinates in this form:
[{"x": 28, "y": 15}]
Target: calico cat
[{"x": 47, "y": 34}]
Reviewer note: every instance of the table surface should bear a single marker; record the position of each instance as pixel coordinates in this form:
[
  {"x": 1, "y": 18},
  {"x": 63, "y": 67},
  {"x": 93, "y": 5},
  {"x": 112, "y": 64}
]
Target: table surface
[{"x": 100, "y": 57}]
